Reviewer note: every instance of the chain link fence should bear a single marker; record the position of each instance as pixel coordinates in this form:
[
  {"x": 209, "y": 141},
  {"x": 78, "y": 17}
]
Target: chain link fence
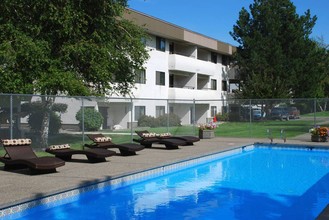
[{"x": 61, "y": 119}]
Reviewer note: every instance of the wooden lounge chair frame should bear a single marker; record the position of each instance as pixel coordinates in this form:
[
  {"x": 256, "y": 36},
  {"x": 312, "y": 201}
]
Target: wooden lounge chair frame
[
  {"x": 19, "y": 155},
  {"x": 168, "y": 142},
  {"x": 188, "y": 139},
  {"x": 126, "y": 149},
  {"x": 65, "y": 152}
]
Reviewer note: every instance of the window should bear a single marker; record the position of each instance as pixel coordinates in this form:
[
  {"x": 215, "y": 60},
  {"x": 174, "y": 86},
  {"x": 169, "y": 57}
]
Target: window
[
  {"x": 143, "y": 40},
  {"x": 139, "y": 111},
  {"x": 225, "y": 60},
  {"x": 213, "y": 57},
  {"x": 171, "y": 109},
  {"x": 224, "y": 85},
  {"x": 140, "y": 76},
  {"x": 213, "y": 110},
  {"x": 213, "y": 84},
  {"x": 160, "y": 44},
  {"x": 160, "y": 78},
  {"x": 171, "y": 80},
  {"x": 171, "y": 48},
  {"x": 159, "y": 111}
]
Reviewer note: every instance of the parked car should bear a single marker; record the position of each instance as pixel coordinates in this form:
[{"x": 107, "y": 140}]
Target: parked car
[
  {"x": 284, "y": 113},
  {"x": 256, "y": 114},
  {"x": 294, "y": 113}
]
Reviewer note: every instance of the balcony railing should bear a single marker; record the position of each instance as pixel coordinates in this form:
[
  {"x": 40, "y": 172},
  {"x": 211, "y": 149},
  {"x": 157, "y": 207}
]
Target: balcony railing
[{"x": 187, "y": 64}]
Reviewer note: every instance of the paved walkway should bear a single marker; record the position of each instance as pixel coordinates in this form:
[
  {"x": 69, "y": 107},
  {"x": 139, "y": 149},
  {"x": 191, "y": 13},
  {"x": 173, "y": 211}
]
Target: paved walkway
[{"x": 19, "y": 186}]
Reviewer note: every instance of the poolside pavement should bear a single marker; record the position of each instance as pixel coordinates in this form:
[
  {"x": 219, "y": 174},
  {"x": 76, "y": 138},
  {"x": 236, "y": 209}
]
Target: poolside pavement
[{"x": 19, "y": 186}]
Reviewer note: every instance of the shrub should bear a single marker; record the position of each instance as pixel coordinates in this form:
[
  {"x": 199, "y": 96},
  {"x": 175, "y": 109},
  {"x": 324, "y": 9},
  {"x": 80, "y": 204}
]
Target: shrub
[
  {"x": 161, "y": 121},
  {"x": 92, "y": 119},
  {"x": 147, "y": 121},
  {"x": 222, "y": 116},
  {"x": 174, "y": 120}
]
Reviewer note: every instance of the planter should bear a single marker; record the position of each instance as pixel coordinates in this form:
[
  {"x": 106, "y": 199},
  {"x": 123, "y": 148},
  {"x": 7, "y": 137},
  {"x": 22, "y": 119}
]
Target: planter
[
  {"x": 318, "y": 138},
  {"x": 206, "y": 134}
]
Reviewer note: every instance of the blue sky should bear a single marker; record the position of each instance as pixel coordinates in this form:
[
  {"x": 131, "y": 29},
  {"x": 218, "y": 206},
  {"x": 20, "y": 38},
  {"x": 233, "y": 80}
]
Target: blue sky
[{"x": 215, "y": 18}]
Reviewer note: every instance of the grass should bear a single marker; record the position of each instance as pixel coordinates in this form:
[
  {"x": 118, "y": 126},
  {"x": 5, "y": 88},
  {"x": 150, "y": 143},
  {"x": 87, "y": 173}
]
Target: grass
[
  {"x": 260, "y": 129},
  {"x": 317, "y": 114}
]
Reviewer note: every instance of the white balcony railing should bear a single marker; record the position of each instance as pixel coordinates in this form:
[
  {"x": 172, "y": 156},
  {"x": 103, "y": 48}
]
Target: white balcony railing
[
  {"x": 184, "y": 93},
  {"x": 188, "y": 64}
]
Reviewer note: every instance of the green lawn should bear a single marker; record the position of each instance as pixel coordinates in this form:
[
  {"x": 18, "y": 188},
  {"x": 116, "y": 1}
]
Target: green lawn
[
  {"x": 259, "y": 129},
  {"x": 317, "y": 114}
]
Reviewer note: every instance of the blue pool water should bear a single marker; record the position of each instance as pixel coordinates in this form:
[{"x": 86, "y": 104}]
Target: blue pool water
[{"x": 261, "y": 183}]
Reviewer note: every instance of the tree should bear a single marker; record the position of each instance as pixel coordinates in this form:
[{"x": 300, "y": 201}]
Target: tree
[
  {"x": 35, "y": 112},
  {"x": 323, "y": 48},
  {"x": 82, "y": 47},
  {"x": 275, "y": 56}
]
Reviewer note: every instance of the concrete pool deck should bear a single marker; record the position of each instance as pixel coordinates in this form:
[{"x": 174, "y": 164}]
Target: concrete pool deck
[{"x": 19, "y": 186}]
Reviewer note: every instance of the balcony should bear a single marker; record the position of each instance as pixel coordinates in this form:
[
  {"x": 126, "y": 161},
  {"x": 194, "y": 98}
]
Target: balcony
[
  {"x": 188, "y": 64},
  {"x": 188, "y": 93}
]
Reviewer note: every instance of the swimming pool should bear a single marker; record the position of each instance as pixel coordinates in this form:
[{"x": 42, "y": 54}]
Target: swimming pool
[{"x": 251, "y": 183}]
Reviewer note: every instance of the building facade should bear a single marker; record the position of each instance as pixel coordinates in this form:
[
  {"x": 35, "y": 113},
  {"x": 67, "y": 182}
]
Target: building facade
[{"x": 187, "y": 74}]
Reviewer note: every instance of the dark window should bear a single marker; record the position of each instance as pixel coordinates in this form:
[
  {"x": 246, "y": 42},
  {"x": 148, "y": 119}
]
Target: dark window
[
  {"x": 171, "y": 109},
  {"x": 139, "y": 111},
  {"x": 171, "y": 48},
  {"x": 140, "y": 77},
  {"x": 225, "y": 60},
  {"x": 224, "y": 85},
  {"x": 213, "y": 84},
  {"x": 171, "y": 80},
  {"x": 161, "y": 44},
  {"x": 159, "y": 111},
  {"x": 143, "y": 40},
  {"x": 213, "y": 57},
  {"x": 213, "y": 110},
  {"x": 160, "y": 78}
]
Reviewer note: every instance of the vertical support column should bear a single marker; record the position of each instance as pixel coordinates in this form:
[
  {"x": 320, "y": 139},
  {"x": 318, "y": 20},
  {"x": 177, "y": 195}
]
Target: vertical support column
[
  {"x": 11, "y": 116},
  {"x": 83, "y": 121},
  {"x": 131, "y": 119},
  {"x": 314, "y": 115},
  {"x": 193, "y": 116},
  {"x": 250, "y": 117},
  {"x": 269, "y": 135},
  {"x": 168, "y": 116},
  {"x": 283, "y": 135}
]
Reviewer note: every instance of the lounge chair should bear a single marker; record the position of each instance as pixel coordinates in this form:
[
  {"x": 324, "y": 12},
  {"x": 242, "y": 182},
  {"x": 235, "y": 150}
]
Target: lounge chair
[
  {"x": 188, "y": 139},
  {"x": 19, "y": 154},
  {"x": 147, "y": 139},
  {"x": 65, "y": 152},
  {"x": 100, "y": 141}
]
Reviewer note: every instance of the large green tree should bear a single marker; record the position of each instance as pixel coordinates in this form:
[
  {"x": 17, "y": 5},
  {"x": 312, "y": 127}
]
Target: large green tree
[
  {"x": 73, "y": 47},
  {"x": 276, "y": 58}
]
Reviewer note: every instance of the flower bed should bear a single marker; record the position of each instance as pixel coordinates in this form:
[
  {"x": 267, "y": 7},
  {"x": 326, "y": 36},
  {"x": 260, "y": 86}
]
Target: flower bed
[
  {"x": 206, "y": 131},
  {"x": 319, "y": 134}
]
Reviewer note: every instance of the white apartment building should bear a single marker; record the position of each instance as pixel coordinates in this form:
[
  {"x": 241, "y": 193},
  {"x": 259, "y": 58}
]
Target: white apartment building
[
  {"x": 186, "y": 70},
  {"x": 187, "y": 74}
]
